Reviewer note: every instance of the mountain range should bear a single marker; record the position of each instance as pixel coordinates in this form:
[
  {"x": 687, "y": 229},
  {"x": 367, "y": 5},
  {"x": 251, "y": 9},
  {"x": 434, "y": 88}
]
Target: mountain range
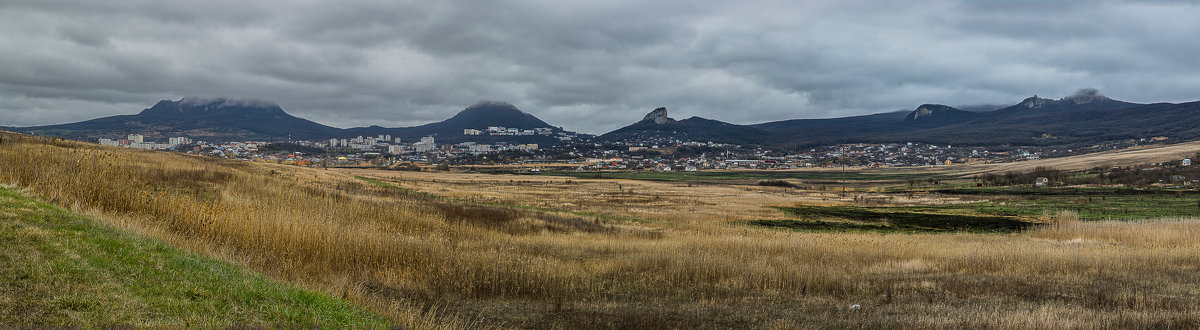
[
  {"x": 1084, "y": 117},
  {"x": 222, "y": 119}
]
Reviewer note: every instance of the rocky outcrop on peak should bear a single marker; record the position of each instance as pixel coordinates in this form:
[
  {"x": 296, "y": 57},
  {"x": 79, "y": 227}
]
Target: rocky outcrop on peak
[
  {"x": 658, "y": 116},
  {"x": 656, "y": 126},
  {"x": 1035, "y": 102},
  {"x": 922, "y": 112},
  {"x": 1087, "y": 99}
]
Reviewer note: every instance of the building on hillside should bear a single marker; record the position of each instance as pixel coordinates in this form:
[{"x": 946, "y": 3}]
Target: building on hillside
[
  {"x": 178, "y": 141},
  {"x": 1041, "y": 182},
  {"x": 479, "y": 148},
  {"x": 426, "y": 145}
]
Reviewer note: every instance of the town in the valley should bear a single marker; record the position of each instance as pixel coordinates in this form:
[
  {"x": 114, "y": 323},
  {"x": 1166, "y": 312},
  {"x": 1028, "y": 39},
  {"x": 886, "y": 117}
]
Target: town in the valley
[{"x": 582, "y": 153}]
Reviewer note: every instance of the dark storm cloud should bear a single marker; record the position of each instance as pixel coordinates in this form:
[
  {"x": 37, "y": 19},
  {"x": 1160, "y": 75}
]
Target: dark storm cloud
[{"x": 590, "y": 66}]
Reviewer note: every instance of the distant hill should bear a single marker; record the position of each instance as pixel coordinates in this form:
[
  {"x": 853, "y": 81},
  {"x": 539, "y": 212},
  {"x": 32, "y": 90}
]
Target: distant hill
[
  {"x": 1087, "y": 99},
  {"x": 228, "y": 120},
  {"x": 215, "y": 119},
  {"x": 1084, "y": 117},
  {"x": 479, "y": 116},
  {"x": 657, "y": 126},
  {"x": 1180, "y": 122},
  {"x": 810, "y": 132}
]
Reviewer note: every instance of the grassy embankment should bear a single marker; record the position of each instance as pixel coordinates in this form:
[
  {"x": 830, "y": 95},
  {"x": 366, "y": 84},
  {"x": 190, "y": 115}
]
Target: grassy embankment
[
  {"x": 422, "y": 261},
  {"x": 58, "y": 268}
]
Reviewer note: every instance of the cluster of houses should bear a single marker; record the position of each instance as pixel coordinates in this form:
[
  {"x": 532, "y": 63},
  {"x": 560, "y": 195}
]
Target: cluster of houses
[
  {"x": 506, "y": 131},
  {"x": 137, "y": 141},
  {"x": 428, "y": 144},
  {"x": 362, "y": 143},
  {"x": 657, "y": 155},
  {"x": 378, "y": 143},
  {"x": 247, "y": 149},
  {"x": 864, "y": 155},
  {"x": 686, "y": 164},
  {"x": 473, "y": 148}
]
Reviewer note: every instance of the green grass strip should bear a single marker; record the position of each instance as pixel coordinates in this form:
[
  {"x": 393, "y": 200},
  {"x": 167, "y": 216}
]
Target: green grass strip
[{"x": 60, "y": 269}]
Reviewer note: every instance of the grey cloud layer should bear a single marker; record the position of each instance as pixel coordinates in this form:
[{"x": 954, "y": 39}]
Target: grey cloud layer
[{"x": 590, "y": 66}]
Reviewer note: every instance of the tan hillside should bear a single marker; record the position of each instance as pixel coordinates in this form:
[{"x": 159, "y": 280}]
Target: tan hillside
[{"x": 1122, "y": 157}]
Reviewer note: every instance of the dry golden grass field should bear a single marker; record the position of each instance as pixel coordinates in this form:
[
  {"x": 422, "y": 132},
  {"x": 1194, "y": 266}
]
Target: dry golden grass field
[
  {"x": 695, "y": 205},
  {"x": 446, "y": 250}
]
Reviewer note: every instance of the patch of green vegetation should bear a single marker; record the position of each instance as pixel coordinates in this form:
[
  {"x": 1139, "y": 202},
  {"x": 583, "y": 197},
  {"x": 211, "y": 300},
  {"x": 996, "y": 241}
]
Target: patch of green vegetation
[
  {"x": 777, "y": 183},
  {"x": 57, "y": 268},
  {"x": 816, "y": 225},
  {"x": 1089, "y": 207},
  {"x": 891, "y": 219},
  {"x": 1091, "y": 203},
  {"x": 1066, "y": 191},
  {"x": 735, "y": 175}
]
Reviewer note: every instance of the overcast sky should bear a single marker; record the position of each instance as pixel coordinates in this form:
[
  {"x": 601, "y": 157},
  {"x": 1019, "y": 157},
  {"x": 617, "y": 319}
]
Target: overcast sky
[{"x": 588, "y": 66}]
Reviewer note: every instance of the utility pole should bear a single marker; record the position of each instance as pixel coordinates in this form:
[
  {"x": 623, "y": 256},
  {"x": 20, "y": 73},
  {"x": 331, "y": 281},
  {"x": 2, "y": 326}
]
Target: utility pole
[{"x": 843, "y": 171}]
